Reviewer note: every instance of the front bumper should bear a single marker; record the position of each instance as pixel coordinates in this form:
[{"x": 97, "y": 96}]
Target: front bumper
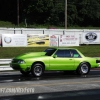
[{"x": 16, "y": 66}]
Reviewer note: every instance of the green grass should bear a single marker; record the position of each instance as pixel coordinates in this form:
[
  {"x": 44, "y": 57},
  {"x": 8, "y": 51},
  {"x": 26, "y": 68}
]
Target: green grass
[{"x": 10, "y": 52}]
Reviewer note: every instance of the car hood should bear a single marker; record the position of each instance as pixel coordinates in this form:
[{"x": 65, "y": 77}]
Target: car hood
[{"x": 31, "y": 54}]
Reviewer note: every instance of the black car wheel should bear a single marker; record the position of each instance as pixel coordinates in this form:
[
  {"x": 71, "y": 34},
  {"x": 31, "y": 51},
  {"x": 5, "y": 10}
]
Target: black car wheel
[
  {"x": 37, "y": 70},
  {"x": 83, "y": 69}
]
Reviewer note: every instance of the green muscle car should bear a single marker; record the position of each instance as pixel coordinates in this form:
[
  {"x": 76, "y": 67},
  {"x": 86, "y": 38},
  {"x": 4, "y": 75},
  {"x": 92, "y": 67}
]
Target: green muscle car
[{"x": 54, "y": 59}]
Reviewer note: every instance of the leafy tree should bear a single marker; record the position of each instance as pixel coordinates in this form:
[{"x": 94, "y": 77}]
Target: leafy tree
[
  {"x": 88, "y": 12},
  {"x": 52, "y": 12},
  {"x": 8, "y": 10}
]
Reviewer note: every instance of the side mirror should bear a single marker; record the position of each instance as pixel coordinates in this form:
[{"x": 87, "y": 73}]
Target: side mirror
[{"x": 54, "y": 56}]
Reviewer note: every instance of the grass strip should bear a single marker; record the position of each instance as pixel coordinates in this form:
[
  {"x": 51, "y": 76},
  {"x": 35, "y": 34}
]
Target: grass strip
[{"x": 10, "y": 52}]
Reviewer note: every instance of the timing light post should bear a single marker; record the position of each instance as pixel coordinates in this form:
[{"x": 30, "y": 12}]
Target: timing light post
[
  {"x": 65, "y": 14},
  {"x": 18, "y": 12}
]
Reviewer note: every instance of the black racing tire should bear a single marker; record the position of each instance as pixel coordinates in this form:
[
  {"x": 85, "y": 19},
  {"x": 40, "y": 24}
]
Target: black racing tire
[
  {"x": 24, "y": 73},
  {"x": 83, "y": 69},
  {"x": 37, "y": 69}
]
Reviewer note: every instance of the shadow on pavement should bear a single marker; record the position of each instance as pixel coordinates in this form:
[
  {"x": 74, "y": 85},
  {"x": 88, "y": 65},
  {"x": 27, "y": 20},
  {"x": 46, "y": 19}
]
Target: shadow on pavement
[
  {"x": 93, "y": 94},
  {"x": 47, "y": 76}
]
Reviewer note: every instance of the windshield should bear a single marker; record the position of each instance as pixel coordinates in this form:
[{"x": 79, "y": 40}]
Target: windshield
[{"x": 49, "y": 51}]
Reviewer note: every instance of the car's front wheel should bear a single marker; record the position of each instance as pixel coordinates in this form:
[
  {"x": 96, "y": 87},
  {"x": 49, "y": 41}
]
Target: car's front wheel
[
  {"x": 25, "y": 73},
  {"x": 37, "y": 69},
  {"x": 83, "y": 69}
]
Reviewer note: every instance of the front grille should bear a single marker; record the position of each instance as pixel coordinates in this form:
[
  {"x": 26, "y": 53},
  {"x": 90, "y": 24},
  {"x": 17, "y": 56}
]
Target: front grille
[
  {"x": 15, "y": 66},
  {"x": 15, "y": 60}
]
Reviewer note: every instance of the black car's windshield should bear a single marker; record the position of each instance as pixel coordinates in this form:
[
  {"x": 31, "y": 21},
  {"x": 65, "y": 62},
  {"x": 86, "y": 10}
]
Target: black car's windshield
[{"x": 49, "y": 51}]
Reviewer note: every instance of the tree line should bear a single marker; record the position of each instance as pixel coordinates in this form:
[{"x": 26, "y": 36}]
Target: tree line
[{"x": 81, "y": 13}]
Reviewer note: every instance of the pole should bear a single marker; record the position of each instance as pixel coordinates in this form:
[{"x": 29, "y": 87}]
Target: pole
[
  {"x": 65, "y": 14},
  {"x": 18, "y": 12}
]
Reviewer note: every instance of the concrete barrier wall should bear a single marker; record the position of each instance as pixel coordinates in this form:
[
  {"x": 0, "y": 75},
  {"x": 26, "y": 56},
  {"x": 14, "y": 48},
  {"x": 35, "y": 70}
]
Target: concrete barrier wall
[{"x": 49, "y": 31}]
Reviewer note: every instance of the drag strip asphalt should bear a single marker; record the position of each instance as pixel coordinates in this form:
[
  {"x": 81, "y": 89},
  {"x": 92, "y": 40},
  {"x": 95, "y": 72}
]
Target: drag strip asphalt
[{"x": 52, "y": 85}]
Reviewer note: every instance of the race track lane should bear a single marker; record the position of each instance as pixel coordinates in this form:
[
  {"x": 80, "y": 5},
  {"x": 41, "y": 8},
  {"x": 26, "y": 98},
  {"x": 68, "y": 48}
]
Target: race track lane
[{"x": 51, "y": 86}]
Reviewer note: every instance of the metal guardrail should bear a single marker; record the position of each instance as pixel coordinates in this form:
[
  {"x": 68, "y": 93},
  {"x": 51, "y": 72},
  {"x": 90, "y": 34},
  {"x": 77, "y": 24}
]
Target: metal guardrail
[{"x": 5, "y": 65}]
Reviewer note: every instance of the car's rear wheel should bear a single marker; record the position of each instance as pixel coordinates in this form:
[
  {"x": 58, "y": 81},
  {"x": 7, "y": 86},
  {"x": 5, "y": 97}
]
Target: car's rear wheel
[
  {"x": 37, "y": 70},
  {"x": 83, "y": 69},
  {"x": 25, "y": 72}
]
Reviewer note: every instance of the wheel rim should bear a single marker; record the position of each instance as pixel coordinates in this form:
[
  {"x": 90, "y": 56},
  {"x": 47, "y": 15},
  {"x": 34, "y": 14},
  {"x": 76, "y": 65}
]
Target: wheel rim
[
  {"x": 37, "y": 70},
  {"x": 84, "y": 68}
]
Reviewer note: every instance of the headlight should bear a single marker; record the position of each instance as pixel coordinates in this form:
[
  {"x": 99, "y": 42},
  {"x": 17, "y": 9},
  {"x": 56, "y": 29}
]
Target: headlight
[{"x": 21, "y": 61}]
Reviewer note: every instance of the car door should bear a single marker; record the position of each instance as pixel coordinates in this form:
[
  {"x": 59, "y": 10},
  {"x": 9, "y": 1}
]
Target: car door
[{"x": 62, "y": 60}]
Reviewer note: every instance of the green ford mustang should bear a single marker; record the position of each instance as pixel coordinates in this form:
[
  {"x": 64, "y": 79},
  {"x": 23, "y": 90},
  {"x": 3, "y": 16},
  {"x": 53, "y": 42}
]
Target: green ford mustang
[{"x": 60, "y": 59}]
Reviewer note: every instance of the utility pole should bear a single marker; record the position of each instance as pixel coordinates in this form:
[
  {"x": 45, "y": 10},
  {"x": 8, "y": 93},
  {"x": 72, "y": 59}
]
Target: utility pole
[
  {"x": 65, "y": 14},
  {"x": 18, "y": 12}
]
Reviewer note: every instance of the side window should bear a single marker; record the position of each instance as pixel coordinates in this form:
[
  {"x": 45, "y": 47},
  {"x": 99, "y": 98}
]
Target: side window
[
  {"x": 49, "y": 51},
  {"x": 67, "y": 53},
  {"x": 63, "y": 53},
  {"x": 75, "y": 54},
  {"x": 60, "y": 53}
]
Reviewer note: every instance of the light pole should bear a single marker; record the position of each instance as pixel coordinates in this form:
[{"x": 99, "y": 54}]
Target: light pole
[
  {"x": 18, "y": 12},
  {"x": 65, "y": 14}
]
